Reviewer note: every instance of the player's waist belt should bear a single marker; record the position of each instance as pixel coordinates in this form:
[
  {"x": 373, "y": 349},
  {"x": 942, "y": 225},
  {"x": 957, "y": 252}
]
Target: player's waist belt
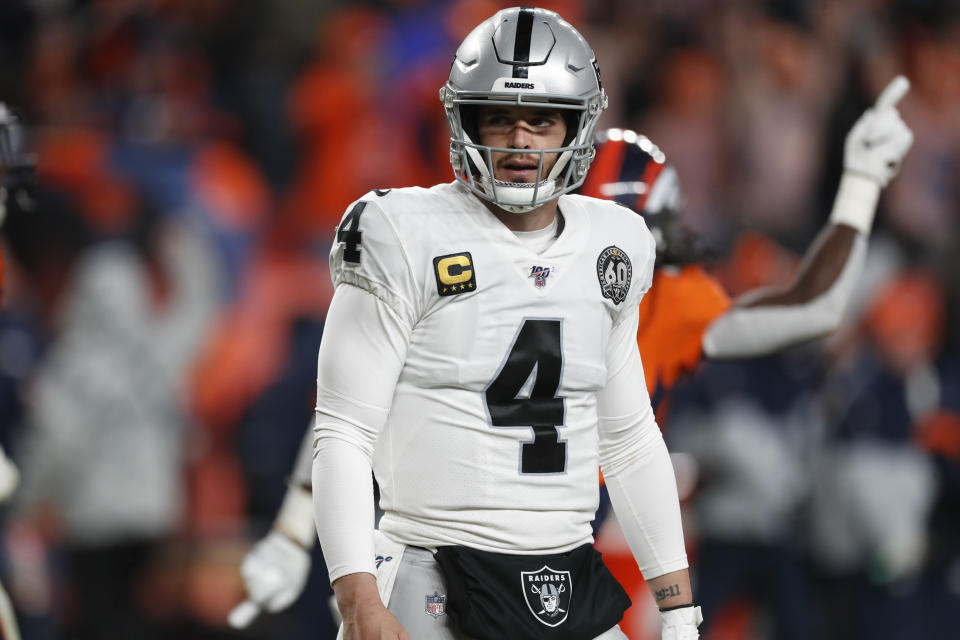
[{"x": 564, "y": 596}]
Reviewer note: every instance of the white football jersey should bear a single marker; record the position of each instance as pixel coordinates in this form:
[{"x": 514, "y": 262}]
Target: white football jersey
[{"x": 491, "y": 439}]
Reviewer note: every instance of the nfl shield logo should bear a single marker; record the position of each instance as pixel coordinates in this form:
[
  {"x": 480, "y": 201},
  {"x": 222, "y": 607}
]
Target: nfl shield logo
[
  {"x": 436, "y": 605},
  {"x": 547, "y": 593}
]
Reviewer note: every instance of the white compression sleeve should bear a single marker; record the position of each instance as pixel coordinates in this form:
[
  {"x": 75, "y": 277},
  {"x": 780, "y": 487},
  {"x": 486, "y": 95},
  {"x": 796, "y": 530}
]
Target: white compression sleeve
[
  {"x": 636, "y": 464},
  {"x": 361, "y": 354},
  {"x": 746, "y": 332}
]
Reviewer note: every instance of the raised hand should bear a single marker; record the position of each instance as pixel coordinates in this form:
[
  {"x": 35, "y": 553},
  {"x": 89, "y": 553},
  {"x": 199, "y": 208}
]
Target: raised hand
[{"x": 878, "y": 141}]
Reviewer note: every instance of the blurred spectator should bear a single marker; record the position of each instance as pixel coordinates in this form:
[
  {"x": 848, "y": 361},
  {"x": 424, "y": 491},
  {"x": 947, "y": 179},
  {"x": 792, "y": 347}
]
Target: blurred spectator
[
  {"x": 875, "y": 488},
  {"x": 105, "y": 443},
  {"x": 782, "y": 85},
  {"x": 925, "y": 201},
  {"x": 687, "y": 123},
  {"x": 750, "y": 429}
]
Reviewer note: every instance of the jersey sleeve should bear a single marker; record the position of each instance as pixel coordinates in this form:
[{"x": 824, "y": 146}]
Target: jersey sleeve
[
  {"x": 635, "y": 462},
  {"x": 673, "y": 319},
  {"x": 643, "y": 255},
  {"x": 369, "y": 254},
  {"x": 361, "y": 355}
]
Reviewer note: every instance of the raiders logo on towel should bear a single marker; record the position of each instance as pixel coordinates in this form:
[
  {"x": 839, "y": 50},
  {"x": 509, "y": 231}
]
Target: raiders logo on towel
[{"x": 548, "y": 594}]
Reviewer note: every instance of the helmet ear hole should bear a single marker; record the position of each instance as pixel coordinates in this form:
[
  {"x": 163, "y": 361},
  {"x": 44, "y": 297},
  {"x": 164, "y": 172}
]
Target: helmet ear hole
[
  {"x": 572, "y": 119},
  {"x": 469, "y": 114}
]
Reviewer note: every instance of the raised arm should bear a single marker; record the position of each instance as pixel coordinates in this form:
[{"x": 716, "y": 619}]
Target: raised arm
[{"x": 769, "y": 319}]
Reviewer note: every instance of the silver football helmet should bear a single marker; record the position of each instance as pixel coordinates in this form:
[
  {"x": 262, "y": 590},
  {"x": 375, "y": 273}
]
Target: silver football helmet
[{"x": 523, "y": 57}]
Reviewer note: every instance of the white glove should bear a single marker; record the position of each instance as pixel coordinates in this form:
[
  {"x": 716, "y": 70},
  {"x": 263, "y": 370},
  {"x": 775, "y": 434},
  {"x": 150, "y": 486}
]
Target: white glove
[
  {"x": 275, "y": 572},
  {"x": 681, "y": 623},
  {"x": 878, "y": 141}
]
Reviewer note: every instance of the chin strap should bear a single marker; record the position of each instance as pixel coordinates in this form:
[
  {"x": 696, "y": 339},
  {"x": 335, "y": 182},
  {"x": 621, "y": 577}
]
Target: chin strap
[{"x": 508, "y": 194}]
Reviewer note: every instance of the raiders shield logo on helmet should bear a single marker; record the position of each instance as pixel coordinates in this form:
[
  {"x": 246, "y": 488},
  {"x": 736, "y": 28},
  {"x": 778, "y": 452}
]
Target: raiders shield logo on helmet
[
  {"x": 614, "y": 271},
  {"x": 547, "y": 593}
]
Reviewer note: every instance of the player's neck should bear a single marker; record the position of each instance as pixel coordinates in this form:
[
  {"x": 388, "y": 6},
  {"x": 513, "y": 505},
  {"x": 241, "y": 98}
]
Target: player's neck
[{"x": 539, "y": 218}]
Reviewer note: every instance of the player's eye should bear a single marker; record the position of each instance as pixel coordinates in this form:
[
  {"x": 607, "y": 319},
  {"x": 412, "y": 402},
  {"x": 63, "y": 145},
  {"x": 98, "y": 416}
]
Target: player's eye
[
  {"x": 496, "y": 120},
  {"x": 545, "y": 120}
]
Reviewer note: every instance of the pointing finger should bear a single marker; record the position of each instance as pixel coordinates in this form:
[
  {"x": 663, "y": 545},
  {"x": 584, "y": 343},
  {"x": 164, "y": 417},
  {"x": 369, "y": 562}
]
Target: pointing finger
[
  {"x": 890, "y": 96},
  {"x": 243, "y": 614}
]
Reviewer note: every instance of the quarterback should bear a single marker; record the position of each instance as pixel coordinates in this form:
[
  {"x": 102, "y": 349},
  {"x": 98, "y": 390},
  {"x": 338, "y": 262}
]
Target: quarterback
[
  {"x": 480, "y": 359},
  {"x": 687, "y": 309},
  {"x": 429, "y": 507}
]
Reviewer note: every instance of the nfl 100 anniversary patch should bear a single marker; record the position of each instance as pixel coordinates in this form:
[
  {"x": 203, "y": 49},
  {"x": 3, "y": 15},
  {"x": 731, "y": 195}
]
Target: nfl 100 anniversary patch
[
  {"x": 539, "y": 273},
  {"x": 615, "y": 272},
  {"x": 455, "y": 273},
  {"x": 547, "y": 593}
]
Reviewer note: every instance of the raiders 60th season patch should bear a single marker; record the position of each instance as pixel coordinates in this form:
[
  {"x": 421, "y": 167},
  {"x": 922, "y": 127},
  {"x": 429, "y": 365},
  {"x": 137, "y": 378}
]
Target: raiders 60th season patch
[{"x": 614, "y": 271}]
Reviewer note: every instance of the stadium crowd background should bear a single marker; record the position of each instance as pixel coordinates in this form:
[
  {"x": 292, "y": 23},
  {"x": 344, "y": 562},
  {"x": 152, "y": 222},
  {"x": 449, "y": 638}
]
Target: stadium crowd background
[{"x": 164, "y": 297}]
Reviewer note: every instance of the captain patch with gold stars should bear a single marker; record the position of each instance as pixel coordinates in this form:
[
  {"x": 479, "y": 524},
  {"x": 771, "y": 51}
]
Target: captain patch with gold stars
[{"x": 455, "y": 274}]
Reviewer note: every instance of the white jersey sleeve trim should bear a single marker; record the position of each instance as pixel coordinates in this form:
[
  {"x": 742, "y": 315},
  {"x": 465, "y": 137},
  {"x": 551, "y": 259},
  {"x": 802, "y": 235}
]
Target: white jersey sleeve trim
[
  {"x": 383, "y": 268},
  {"x": 746, "y": 332},
  {"x": 635, "y": 461},
  {"x": 383, "y": 292}
]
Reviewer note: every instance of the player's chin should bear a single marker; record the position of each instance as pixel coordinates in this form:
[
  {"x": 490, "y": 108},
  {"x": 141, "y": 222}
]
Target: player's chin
[{"x": 517, "y": 176}]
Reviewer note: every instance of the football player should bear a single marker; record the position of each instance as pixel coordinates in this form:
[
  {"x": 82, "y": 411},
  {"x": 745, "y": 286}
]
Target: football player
[
  {"x": 687, "y": 315},
  {"x": 632, "y": 171},
  {"x": 480, "y": 358}
]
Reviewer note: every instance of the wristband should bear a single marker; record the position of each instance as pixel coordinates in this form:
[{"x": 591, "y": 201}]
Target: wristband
[
  {"x": 685, "y": 614},
  {"x": 295, "y": 519},
  {"x": 856, "y": 202}
]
